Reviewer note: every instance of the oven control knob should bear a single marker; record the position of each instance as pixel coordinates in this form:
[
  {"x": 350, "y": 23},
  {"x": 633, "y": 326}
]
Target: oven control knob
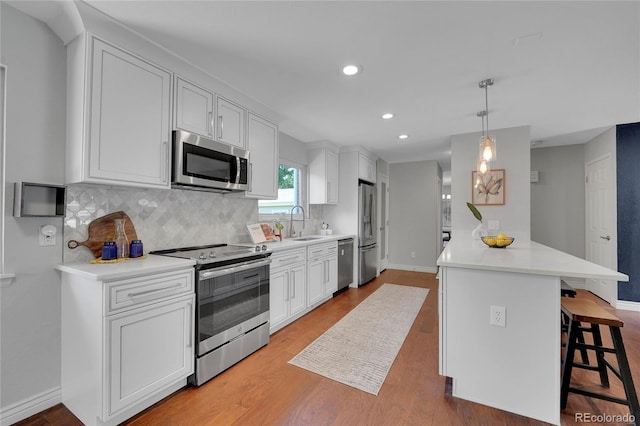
[
  {"x": 212, "y": 254},
  {"x": 257, "y": 248},
  {"x": 264, "y": 247},
  {"x": 202, "y": 256}
]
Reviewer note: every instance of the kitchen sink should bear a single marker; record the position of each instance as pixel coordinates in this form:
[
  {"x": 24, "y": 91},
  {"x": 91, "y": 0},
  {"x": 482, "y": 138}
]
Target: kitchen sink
[{"x": 306, "y": 238}]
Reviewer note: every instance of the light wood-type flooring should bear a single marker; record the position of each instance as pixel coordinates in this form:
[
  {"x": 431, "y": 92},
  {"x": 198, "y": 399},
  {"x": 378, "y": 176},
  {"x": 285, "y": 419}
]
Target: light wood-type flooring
[{"x": 264, "y": 389}]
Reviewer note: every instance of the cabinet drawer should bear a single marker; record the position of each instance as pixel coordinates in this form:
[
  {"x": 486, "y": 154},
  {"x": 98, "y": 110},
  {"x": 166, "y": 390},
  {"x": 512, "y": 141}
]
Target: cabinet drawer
[
  {"x": 144, "y": 290},
  {"x": 288, "y": 257},
  {"x": 324, "y": 249}
]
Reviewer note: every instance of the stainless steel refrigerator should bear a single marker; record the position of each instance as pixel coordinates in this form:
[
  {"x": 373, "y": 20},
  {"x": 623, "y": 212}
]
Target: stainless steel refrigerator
[{"x": 368, "y": 257}]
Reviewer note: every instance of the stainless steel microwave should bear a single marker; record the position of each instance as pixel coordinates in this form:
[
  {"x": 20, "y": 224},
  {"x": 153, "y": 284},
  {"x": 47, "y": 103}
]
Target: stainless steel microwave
[{"x": 203, "y": 164}]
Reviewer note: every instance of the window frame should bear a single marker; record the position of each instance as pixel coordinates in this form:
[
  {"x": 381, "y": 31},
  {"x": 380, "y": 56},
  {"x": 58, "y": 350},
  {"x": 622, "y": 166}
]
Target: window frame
[{"x": 304, "y": 194}]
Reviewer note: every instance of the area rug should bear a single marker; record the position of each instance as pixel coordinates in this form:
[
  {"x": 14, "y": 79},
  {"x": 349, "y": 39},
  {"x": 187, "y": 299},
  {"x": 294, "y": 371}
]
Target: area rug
[{"x": 360, "y": 348}]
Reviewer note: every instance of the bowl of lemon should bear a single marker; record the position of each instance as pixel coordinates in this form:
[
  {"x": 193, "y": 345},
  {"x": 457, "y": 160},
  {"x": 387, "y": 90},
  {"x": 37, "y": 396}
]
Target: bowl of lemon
[{"x": 497, "y": 241}]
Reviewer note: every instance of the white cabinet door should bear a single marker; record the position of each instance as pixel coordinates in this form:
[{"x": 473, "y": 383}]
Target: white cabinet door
[
  {"x": 315, "y": 281},
  {"x": 130, "y": 119},
  {"x": 366, "y": 168},
  {"x": 323, "y": 176},
  {"x": 278, "y": 295},
  {"x": 297, "y": 284},
  {"x": 193, "y": 108},
  {"x": 332, "y": 177},
  {"x": 262, "y": 143},
  {"x": 148, "y": 349},
  {"x": 230, "y": 122},
  {"x": 331, "y": 278}
]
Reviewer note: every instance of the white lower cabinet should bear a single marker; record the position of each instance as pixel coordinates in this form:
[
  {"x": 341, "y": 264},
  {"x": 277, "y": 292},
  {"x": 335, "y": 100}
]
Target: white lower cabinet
[
  {"x": 322, "y": 271},
  {"x": 150, "y": 348},
  {"x": 287, "y": 287},
  {"x": 126, "y": 343}
]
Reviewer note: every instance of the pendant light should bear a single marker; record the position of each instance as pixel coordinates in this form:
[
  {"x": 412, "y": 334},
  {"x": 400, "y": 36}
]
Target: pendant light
[
  {"x": 482, "y": 166},
  {"x": 487, "y": 142}
]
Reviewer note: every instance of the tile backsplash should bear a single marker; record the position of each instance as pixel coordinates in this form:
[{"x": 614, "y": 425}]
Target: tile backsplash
[{"x": 164, "y": 218}]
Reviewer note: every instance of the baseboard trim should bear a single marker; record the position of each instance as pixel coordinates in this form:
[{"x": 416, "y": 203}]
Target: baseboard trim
[
  {"x": 30, "y": 406},
  {"x": 627, "y": 305},
  {"x": 429, "y": 269}
]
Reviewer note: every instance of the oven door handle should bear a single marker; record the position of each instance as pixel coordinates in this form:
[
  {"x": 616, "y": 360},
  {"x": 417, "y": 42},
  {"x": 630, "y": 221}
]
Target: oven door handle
[{"x": 218, "y": 272}]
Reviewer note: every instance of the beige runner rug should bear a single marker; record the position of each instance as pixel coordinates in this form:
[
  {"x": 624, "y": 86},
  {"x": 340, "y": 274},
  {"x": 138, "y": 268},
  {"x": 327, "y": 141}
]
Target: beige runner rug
[{"x": 360, "y": 348}]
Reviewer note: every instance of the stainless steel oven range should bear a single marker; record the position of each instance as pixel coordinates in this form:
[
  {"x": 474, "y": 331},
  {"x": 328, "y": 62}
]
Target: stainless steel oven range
[{"x": 232, "y": 310}]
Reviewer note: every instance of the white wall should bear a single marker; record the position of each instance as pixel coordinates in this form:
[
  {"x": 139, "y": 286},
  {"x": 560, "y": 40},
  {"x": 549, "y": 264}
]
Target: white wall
[
  {"x": 413, "y": 214},
  {"x": 35, "y": 146},
  {"x": 557, "y": 199},
  {"x": 513, "y": 151}
]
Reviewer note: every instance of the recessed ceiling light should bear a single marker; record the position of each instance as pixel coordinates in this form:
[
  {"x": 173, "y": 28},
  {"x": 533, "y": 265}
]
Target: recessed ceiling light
[
  {"x": 403, "y": 136},
  {"x": 387, "y": 116},
  {"x": 351, "y": 70}
]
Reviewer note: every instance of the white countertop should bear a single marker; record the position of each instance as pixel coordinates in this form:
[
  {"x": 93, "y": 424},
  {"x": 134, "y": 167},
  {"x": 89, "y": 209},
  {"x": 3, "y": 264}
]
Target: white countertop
[
  {"x": 526, "y": 257},
  {"x": 289, "y": 243},
  {"x": 127, "y": 269}
]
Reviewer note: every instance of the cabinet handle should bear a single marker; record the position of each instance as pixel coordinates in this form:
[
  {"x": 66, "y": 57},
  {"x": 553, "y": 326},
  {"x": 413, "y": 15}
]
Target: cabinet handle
[
  {"x": 287, "y": 299},
  {"x": 328, "y": 191},
  {"x": 190, "y": 341},
  {"x": 293, "y": 285},
  {"x": 221, "y": 122},
  {"x": 156, "y": 290},
  {"x": 288, "y": 259},
  {"x": 250, "y": 177},
  {"x": 210, "y": 124}
]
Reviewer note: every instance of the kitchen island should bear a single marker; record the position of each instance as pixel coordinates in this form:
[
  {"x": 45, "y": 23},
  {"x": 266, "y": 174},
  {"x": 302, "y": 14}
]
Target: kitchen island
[{"x": 500, "y": 323}]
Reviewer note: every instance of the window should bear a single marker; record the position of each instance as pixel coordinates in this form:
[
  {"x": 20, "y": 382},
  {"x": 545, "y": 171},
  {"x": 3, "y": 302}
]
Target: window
[{"x": 292, "y": 190}]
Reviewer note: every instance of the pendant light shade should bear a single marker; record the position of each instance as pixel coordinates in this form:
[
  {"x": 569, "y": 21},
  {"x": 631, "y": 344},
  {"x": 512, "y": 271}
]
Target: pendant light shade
[{"x": 487, "y": 146}]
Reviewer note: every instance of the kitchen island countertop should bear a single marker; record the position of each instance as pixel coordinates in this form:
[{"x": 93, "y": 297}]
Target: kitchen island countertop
[{"x": 526, "y": 257}]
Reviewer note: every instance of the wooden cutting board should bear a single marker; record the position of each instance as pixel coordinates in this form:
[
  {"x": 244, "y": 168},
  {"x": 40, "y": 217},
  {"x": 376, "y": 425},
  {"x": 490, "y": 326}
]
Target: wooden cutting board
[{"x": 104, "y": 229}]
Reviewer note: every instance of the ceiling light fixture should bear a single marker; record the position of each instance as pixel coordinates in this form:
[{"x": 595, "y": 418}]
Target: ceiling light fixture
[
  {"x": 403, "y": 137},
  {"x": 351, "y": 70},
  {"x": 487, "y": 144},
  {"x": 387, "y": 115}
]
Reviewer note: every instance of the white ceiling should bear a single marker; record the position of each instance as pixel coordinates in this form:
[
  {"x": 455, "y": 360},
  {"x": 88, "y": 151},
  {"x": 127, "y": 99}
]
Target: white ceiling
[{"x": 567, "y": 69}]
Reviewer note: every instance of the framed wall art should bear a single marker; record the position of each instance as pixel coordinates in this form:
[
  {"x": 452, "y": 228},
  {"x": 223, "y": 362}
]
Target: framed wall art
[{"x": 488, "y": 188}]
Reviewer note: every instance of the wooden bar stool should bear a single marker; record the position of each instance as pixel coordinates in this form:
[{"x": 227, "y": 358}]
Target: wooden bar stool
[
  {"x": 586, "y": 311},
  {"x": 567, "y": 291}
]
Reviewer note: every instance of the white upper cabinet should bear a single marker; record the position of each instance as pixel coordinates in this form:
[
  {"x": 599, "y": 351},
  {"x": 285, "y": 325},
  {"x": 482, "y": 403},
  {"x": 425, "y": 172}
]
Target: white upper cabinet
[
  {"x": 194, "y": 109},
  {"x": 230, "y": 122},
  {"x": 366, "y": 168},
  {"x": 119, "y": 125},
  {"x": 262, "y": 144},
  {"x": 323, "y": 176}
]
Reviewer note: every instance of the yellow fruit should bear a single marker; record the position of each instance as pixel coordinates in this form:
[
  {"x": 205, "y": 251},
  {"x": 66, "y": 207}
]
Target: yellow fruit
[
  {"x": 501, "y": 236},
  {"x": 501, "y": 242},
  {"x": 490, "y": 241}
]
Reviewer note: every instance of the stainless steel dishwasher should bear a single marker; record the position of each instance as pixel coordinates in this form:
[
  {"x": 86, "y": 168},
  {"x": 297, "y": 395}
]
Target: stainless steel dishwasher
[{"x": 345, "y": 263}]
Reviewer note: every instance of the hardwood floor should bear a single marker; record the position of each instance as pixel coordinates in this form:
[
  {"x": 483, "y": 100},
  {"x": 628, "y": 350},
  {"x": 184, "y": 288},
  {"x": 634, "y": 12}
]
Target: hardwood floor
[{"x": 264, "y": 389}]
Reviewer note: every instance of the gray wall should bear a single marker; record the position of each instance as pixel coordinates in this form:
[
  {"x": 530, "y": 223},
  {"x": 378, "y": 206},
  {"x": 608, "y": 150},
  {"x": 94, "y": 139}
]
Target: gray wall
[
  {"x": 35, "y": 141},
  {"x": 414, "y": 215},
  {"x": 557, "y": 199},
  {"x": 513, "y": 155}
]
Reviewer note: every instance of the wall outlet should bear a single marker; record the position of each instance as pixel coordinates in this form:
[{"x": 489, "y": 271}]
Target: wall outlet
[
  {"x": 47, "y": 235},
  {"x": 413, "y": 254},
  {"x": 493, "y": 225},
  {"x": 498, "y": 316}
]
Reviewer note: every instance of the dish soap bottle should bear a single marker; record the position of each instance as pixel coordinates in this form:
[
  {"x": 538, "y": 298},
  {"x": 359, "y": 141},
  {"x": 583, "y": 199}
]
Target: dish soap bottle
[{"x": 122, "y": 242}]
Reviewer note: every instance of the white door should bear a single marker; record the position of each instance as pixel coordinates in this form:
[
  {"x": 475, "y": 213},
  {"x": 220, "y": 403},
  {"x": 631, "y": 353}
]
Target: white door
[
  {"x": 297, "y": 286},
  {"x": 149, "y": 348},
  {"x": 194, "y": 108},
  {"x": 383, "y": 214},
  {"x": 130, "y": 118},
  {"x": 262, "y": 143},
  {"x": 230, "y": 123},
  {"x": 316, "y": 274},
  {"x": 600, "y": 221}
]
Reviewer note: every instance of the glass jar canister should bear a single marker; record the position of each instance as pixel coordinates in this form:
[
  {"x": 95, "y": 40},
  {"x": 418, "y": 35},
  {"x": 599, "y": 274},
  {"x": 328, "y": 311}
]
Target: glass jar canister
[{"x": 122, "y": 242}]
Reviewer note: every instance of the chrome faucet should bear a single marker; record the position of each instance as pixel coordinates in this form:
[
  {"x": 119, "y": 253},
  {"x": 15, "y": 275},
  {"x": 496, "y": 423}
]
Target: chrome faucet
[{"x": 291, "y": 219}]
